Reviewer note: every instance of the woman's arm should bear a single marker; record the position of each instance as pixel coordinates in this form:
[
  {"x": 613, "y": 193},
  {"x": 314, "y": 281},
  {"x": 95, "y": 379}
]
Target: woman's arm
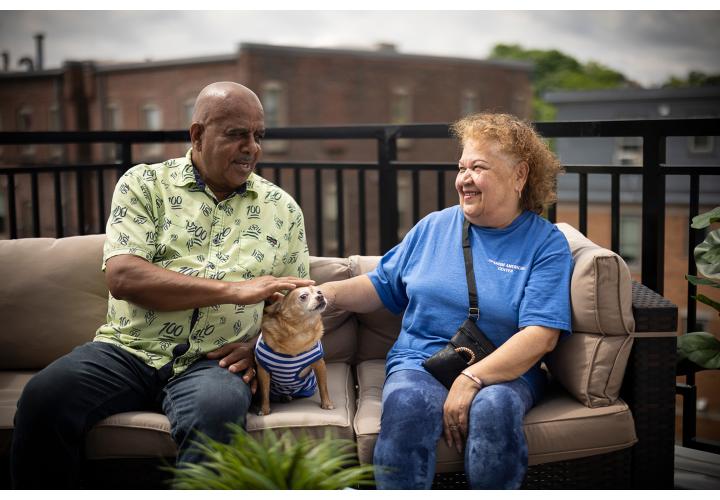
[
  {"x": 355, "y": 295},
  {"x": 508, "y": 362}
]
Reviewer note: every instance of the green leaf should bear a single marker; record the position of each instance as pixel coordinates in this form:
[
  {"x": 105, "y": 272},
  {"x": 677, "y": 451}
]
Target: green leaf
[
  {"x": 704, "y": 220},
  {"x": 702, "y": 348},
  {"x": 707, "y": 255},
  {"x": 699, "y": 280},
  {"x": 707, "y": 300}
]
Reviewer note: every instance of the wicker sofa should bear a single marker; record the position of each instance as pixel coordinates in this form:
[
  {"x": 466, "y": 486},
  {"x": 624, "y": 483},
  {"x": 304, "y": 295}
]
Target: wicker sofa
[{"x": 607, "y": 422}]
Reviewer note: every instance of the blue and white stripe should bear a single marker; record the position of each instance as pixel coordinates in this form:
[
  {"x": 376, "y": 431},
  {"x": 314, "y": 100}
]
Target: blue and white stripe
[{"x": 285, "y": 370}]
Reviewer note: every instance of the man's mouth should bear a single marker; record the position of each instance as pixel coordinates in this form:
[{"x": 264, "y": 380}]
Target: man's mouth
[{"x": 244, "y": 164}]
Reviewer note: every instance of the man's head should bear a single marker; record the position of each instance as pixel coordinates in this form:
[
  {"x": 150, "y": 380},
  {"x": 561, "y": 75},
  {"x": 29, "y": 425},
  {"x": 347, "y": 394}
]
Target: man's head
[{"x": 227, "y": 126}]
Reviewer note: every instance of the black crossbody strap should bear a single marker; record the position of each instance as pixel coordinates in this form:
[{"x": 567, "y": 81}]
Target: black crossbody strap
[{"x": 474, "y": 311}]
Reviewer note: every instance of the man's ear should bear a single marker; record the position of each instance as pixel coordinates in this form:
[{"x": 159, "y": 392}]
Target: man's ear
[{"x": 196, "y": 133}]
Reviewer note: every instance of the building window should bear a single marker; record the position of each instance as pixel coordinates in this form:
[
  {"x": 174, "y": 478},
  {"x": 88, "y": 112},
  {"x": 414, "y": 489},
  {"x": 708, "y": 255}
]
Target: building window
[
  {"x": 273, "y": 96},
  {"x": 469, "y": 103},
  {"x": 630, "y": 239},
  {"x": 25, "y": 124},
  {"x": 113, "y": 121},
  {"x": 401, "y": 112},
  {"x": 151, "y": 120},
  {"x": 54, "y": 125},
  {"x": 701, "y": 144},
  {"x": 628, "y": 151}
]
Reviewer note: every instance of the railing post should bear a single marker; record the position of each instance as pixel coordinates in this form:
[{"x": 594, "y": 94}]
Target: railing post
[
  {"x": 653, "y": 213},
  {"x": 388, "y": 189}
]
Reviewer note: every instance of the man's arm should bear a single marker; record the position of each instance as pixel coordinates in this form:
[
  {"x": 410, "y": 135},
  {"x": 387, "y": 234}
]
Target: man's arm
[{"x": 136, "y": 280}]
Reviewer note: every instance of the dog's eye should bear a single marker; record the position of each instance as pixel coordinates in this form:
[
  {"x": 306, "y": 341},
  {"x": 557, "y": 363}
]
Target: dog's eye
[{"x": 304, "y": 296}]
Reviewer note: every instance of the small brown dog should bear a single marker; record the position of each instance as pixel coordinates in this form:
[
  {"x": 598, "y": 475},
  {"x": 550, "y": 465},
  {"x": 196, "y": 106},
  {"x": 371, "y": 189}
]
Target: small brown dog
[{"x": 288, "y": 353}]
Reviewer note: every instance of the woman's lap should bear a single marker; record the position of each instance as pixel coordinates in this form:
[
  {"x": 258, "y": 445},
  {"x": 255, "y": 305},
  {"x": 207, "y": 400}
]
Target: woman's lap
[{"x": 411, "y": 425}]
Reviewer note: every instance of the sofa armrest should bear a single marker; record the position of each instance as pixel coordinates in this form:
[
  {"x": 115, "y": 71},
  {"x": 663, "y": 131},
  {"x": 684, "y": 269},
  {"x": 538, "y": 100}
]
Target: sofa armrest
[{"x": 649, "y": 388}]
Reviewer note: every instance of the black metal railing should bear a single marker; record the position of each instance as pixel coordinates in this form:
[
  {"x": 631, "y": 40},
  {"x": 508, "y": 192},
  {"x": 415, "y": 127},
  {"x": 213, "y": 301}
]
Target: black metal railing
[{"x": 653, "y": 171}]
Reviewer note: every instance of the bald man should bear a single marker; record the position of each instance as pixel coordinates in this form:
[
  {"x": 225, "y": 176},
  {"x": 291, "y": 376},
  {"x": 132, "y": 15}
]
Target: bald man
[{"x": 194, "y": 247}]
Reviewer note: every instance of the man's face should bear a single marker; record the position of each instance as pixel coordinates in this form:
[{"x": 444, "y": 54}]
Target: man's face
[{"x": 228, "y": 146}]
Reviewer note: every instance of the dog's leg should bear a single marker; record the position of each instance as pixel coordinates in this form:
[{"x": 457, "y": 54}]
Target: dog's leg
[
  {"x": 321, "y": 374},
  {"x": 264, "y": 386}
]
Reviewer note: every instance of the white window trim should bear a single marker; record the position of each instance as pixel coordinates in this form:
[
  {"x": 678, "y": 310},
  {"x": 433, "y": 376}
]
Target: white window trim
[
  {"x": 276, "y": 146},
  {"x": 693, "y": 148}
]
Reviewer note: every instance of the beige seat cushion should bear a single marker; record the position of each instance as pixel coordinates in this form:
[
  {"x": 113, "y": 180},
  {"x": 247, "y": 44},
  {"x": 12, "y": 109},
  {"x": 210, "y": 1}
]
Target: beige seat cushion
[
  {"x": 559, "y": 428},
  {"x": 52, "y": 299},
  {"x": 145, "y": 434},
  {"x": 11, "y": 386}
]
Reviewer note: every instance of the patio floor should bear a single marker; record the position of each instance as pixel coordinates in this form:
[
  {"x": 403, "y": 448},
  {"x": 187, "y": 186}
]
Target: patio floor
[{"x": 696, "y": 470}]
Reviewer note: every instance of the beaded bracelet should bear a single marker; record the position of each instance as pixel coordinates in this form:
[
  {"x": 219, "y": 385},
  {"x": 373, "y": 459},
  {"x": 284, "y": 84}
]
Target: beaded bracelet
[{"x": 472, "y": 377}]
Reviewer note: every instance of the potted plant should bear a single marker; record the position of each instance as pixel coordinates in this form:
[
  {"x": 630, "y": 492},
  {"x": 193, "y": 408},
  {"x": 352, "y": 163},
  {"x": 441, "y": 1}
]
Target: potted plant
[
  {"x": 274, "y": 462},
  {"x": 701, "y": 350}
]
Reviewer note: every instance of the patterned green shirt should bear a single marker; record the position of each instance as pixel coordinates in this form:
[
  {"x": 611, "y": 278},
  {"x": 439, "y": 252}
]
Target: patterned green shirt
[{"x": 166, "y": 215}]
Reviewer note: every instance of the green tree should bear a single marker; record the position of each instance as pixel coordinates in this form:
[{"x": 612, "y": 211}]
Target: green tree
[
  {"x": 555, "y": 70},
  {"x": 693, "y": 79}
]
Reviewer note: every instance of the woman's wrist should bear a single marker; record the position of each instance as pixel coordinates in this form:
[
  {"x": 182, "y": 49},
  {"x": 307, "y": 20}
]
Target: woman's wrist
[{"x": 476, "y": 380}]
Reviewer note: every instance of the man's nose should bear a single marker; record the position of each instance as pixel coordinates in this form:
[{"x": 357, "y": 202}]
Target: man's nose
[{"x": 250, "y": 146}]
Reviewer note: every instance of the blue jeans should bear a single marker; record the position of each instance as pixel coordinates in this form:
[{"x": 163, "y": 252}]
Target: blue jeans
[
  {"x": 412, "y": 408},
  {"x": 66, "y": 399}
]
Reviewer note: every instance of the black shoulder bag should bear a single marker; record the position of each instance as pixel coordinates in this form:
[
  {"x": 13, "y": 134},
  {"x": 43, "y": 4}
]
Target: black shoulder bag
[{"x": 469, "y": 344}]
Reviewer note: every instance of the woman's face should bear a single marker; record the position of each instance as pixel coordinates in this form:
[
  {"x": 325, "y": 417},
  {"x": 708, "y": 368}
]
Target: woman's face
[{"x": 487, "y": 182}]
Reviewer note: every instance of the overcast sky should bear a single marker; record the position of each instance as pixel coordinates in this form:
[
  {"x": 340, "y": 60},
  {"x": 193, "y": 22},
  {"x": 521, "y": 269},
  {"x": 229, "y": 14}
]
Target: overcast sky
[{"x": 647, "y": 46}]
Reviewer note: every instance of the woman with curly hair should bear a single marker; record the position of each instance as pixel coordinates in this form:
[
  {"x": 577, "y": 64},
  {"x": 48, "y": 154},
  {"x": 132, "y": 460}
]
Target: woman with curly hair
[{"x": 522, "y": 267}]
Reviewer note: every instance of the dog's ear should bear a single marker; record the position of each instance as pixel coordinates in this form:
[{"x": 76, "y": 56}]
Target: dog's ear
[{"x": 273, "y": 308}]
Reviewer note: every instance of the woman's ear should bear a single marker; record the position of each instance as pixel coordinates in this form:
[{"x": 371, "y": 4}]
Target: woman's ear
[{"x": 521, "y": 174}]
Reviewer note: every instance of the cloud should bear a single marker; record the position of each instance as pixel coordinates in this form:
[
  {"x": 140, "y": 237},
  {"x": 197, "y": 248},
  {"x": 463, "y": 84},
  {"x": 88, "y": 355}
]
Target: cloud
[{"x": 646, "y": 46}]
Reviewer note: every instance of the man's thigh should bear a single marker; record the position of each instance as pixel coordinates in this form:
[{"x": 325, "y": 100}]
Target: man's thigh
[
  {"x": 207, "y": 397},
  {"x": 93, "y": 381}
]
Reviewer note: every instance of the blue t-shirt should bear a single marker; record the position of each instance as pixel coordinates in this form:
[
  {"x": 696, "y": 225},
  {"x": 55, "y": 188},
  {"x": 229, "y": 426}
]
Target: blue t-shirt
[{"x": 522, "y": 273}]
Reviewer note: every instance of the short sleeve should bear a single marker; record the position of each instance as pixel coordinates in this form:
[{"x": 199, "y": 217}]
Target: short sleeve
[
  {"x": 131, "y": 227},
  {"x": 546, "y": 299},
  {"x": 387, "y": 277},
  {"x": 296, "y": 261}
]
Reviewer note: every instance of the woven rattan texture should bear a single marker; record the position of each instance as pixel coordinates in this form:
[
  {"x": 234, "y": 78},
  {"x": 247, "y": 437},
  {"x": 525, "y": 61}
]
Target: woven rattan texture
[{"x": 652, "y": 312}]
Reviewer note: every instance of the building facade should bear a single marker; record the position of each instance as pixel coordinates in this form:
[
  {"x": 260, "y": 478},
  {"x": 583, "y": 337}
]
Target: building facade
[{"x": 298, "y": 87}]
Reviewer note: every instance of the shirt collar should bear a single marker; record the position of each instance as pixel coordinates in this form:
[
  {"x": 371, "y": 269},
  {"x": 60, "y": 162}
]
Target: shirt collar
[{"x": 191, "y": 176}]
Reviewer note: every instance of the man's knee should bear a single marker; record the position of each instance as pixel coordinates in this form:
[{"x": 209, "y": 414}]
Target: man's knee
[{"x": 46, "y": 395}]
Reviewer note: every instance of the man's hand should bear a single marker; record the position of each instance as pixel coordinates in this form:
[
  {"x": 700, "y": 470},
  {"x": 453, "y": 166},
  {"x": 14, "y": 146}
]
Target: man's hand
[
  {"x": 265, "y": 287},
  {"x": 238, "y": 357}
]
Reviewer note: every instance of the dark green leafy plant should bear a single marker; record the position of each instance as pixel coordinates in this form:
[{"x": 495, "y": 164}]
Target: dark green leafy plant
[
  {"x": 284, "y": 462},
  {"x": 702, "y": 348}
]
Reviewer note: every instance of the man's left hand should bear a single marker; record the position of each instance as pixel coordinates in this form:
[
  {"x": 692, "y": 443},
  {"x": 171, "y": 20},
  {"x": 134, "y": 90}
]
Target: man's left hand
[{"x": 238, "y": 357}]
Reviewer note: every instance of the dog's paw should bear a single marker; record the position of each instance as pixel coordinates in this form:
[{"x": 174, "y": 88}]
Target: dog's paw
[
  {"x": 327, "y": 405},
  {"x": 263, "y": 411}
]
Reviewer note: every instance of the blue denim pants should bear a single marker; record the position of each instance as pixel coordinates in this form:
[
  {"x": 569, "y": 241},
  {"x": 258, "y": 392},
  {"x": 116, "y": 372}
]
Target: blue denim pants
[
  {"x": 496, "y": 453},
  {"x": 65, "y": 400}
]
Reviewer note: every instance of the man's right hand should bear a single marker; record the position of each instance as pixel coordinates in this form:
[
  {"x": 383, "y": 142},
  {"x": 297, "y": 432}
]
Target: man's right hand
[{"x": 264, "y": 287}]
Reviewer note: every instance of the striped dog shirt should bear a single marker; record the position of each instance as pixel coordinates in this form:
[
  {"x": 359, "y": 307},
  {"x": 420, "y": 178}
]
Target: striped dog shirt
[{"x": 285, "y": 370}]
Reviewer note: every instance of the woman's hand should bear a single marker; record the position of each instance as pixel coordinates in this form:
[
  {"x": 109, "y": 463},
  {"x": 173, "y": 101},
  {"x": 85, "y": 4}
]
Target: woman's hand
[{"x": 456, "y": 411}]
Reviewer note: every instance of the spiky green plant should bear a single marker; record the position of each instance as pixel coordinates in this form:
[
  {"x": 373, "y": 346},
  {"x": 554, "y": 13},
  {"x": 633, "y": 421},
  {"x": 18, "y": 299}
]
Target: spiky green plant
[
  {"x": 702, "y": 348},
  {"x": 284, "y": 462}
]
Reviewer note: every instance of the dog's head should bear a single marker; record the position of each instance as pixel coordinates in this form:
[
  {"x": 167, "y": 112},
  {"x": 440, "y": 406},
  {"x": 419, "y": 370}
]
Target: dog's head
[{"x": 303, "y": 301}]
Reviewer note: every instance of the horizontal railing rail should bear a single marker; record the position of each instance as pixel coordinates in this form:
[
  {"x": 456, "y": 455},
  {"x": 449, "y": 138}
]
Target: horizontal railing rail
[{"x": 654, "y": 171}]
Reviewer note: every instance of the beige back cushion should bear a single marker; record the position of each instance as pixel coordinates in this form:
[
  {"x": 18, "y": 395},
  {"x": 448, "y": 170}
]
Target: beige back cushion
[
  {"x": 377, "y": 331},
  {"x": 591, "y": 362},
  {"x": 340, "y": 326},
  {"x": 53, "y": 298}
]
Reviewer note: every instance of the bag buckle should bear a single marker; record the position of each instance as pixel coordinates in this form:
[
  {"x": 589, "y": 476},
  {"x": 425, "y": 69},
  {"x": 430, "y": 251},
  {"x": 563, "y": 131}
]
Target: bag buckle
[{"x": 474, "y": 313}]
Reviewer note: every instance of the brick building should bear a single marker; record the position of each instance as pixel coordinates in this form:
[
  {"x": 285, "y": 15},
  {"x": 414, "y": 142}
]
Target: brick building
[{"x": 298, "y": 86}]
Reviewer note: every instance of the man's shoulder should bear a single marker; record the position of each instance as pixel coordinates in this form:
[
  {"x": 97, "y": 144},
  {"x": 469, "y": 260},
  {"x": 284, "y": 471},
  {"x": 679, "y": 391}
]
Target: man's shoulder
[
  {"x": 270, "y": 193},
  {"x": 153, "y": 171}
]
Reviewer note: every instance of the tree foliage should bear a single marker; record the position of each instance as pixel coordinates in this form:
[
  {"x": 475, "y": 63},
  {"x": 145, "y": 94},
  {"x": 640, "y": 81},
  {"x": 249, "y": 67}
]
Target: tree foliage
[
  {"x": 693, "y": 79},
  {"x": 555, "y": 70}
]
